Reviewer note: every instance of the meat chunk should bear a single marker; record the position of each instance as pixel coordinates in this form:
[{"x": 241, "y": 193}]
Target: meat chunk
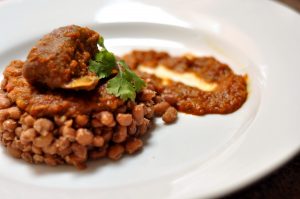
[{"x": 61, "y": 56}]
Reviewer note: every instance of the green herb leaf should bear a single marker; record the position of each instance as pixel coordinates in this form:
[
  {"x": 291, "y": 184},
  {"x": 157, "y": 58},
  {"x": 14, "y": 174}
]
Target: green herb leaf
[
  {"x": 130, "y": 76},
  {"x": 101, "y": 42},
  {"x": 100, "y": 69},
  {"x": 120, "y": 87},
  {"x": 125, "y": 84}
]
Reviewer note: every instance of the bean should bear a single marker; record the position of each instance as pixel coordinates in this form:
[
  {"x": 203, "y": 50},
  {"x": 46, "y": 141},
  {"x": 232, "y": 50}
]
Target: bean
[
  {"x": 9, "y": 125},
  {"x": 107, "y": 135},
  {"x": 43, "y": 126},
  {"x": 98, "y": 141},
  {"x": 27, "y": 157},
  {"x": 28, "y": 120},
  {"x": 132, "y": 128},
  {"x": 97, "y": 154},
  {"x": 50, "y": 160},
  {"x": 142, "y": 129},
  {"x": 43, "y": 141},
  {"x": 14, "y": 113},
  {"x": 84, "y": 136},
  {"x": 28, "y": 136},
  {"x": 124, "y": 119},
  {"x": 81, "y": 120},
  {"x": 160, "y": 108},
  {"x": 3, "y": 115},
  {"x": 60, "y": 120},
  {"x": 138, "y": 113},
  {"x": 115, "y": 152},
  {"x": 18, "y": 131},
  {"x": 149, "y": 113},
  {"x": 14, "y": 152},
  {"x": 147, "y": 95},
  {"x": 62, "y": 143},
  {"x": 38, "y": 159},
  {"x": 120, "y": 135},
  {"x": 107, "y": 119},
  {"x": 4, "y": 102},
  {"x": 36, "y": 150},
  {"x": 170, "y": 115},
  {"x": 79, "y": 151},
  {"x": 50, "y": 149},
  {"x": 96, "y": 123},
  {"x": 170, "y": 98},
  {"x": 133, "y": 145},
  {"x": 68, "y": 133}
]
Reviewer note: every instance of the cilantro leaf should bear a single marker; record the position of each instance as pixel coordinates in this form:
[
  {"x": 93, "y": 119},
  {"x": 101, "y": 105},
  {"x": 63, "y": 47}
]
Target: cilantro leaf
[
  {"x": 101, "y": 42},
  {"x": 120, "y": 87},
  {"x": 125, "y": 84},
  {"x": 101, "y": 70},
  {"x": 103, "y": 64},
  {"x": 137, "y": 82}
]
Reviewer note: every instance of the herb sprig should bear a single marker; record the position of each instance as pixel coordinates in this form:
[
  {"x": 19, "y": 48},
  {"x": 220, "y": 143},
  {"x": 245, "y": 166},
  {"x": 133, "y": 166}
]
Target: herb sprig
[{"x": 125, "y": 84}]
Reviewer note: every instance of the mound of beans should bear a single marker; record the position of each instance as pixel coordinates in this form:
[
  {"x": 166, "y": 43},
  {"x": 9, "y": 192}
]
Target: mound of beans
[{"x": 75, "y": 140}]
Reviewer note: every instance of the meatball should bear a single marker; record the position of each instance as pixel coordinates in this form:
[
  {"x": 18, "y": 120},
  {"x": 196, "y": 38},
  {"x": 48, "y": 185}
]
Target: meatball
[{"x": 61, "y": 56}]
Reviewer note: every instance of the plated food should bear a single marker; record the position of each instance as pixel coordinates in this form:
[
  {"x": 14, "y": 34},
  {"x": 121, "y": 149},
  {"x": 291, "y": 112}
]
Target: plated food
[{"x": 72, "y": 100}]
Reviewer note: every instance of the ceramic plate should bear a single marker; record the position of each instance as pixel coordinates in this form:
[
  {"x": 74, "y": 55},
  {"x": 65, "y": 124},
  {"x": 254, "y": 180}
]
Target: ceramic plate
[{"x": 203, "y": 156}]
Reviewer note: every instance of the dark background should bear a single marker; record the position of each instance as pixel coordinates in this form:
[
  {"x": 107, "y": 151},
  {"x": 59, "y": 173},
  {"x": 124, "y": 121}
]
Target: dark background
[{"x": 283, "y": 183}]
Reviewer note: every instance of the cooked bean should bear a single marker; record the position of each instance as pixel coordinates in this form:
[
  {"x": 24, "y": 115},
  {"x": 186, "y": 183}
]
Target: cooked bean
[
  {"x": 147, "y": 95},
  {"x": 79, "y": 151},
  {"x": 18, "y": 131},
  {"x": 36, "y": 150},
  {"x": 170, "y": 115},
  {"x": 60, "y": 120},
  {"x": 84, "y": 136},
  {"x": 76, "y": 161},
  {"x": 28, "y": 136},
  {"x": 50, "y": 149},
  {"x": 138, "y": 113},
  {"x": 149, "y": 113},
  {"x": 43, "y": 141},
  {"x": 28, "y": 120},
  {"x": 170, "y": 98},
  {"x": 9, "y": 125},
  {"x": 27, "y": 147},
  {"x": 97, "y": 154},
  {"x": 160, "y": 108},
  {"x": 14, "y": 113},
  {"x": 107, "y": 119},
  {"x": 27, "y": 157},
  {"x": 38, "y": 159},
  {"x": 120, "y": 135},
  {"x": 96, "y": 123},
  {"x": 68, "y": 133},
  {"x": 132, "y": 128},
  {"x": 107, "y": 135},
  {"x": 133, "y": 145},
  {"x": 142, "y": 129},
  {"x": 7, "y": 136},
  {"x": 81, "y": 120},
  {"x": 62, "y": 143},
  {"x": 14, "y": 152},
  {"x": 65, "y": 152},
  {"x": 43, "y": 126},
  {"x": 115, "y": 152},
  {"x": 50, "y": 160},
  {"x": 124, "y": 119},
  {"x": 3, "y": 115},
  {"x": 98, "y": 141},
  {"x": 4, "y": 102}
]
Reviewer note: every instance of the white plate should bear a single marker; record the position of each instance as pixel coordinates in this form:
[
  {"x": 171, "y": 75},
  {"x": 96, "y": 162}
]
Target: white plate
[{"x": 198, "y": 156}]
